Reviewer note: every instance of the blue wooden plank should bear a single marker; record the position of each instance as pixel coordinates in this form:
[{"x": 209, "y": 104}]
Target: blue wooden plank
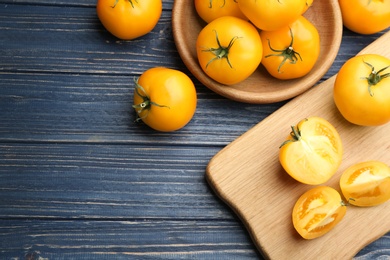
[
  {"x": 142, "y": 239},
  {"x": 44, "y": 107},
  {"x": 105, "y": 182},
  {"x": 72, "y": 40}
]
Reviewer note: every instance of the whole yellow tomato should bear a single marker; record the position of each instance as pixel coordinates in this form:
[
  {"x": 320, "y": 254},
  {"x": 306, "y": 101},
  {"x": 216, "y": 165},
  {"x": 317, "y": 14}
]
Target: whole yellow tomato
[
  {"x": 165, "y": 99},
  {"x": 365, "y": 16},
  {"x": 366, "y": 183},
  {"x": 312, "y": 152},
  {"x": 213, "y": 9},
  {"x": 272, "y": 15},
  {"x": 318, "y": 211},
  {"x": 229, "y": 49},
  {"x": 129, "y": 19},
  {"x": 362, "y": 90},
  {"x": 292, "y": 51}
]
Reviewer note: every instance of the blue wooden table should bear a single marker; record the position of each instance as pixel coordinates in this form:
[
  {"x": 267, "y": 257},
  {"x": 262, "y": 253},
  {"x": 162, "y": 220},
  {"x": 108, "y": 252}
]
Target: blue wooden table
[{"x": 80, "y": 179}]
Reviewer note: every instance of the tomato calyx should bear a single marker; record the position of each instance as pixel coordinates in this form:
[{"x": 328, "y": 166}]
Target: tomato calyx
[
  {"x": 221, "y": 52},
  {"x": 295, "y": 134},
  {"x": 130, "y": 1},
  {"x": 375, "y": 77},
  {"x": 146, "y": 103},
  {"x": 288, "y": 54}
]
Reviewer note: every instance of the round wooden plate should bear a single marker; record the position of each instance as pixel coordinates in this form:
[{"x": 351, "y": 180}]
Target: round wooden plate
[{"x": 260, "y": 87}]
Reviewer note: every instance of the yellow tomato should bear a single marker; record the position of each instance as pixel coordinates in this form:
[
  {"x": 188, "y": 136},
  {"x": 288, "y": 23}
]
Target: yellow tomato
[
  {"x": 129, "y": 19},
  {"x": 229, "y": 49},
  {"x": 312, "y": 152},
  {"x": 213, "y": 9},
  {"x": 365, "y": 16},
  {"x": 165, "y": 99},
  {"x": 318, "y": 211},
  {"x": 362, "y": 90},
  {"x": 272, "y": 15},
  {"x": 292, "y": 51},
  {"x": 366, "y": 183}
]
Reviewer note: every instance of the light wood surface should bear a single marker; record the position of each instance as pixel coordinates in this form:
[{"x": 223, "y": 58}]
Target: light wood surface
[
  {"x": 260, "y": 87},
  {"x": 247, "y": 175}
]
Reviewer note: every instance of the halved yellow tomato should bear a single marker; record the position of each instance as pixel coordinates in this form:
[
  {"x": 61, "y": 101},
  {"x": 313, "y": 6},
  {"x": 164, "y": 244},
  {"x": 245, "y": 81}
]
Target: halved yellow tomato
[
  {"x": 366, "y": 184},
  {"x": 312, "y": 152},
  {"x": 318, "y": 211}
]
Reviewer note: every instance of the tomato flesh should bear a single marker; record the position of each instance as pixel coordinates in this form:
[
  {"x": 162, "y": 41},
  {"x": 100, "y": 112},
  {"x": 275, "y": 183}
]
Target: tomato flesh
[
  {"x": 318, "y": 211},
  {"x": 366, "y": 184},
  {"x": 315, "y": 155}
]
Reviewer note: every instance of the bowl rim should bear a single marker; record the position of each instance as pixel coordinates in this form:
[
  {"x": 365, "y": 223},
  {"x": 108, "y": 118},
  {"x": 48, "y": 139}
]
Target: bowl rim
[{"x": 180, "y": 21}]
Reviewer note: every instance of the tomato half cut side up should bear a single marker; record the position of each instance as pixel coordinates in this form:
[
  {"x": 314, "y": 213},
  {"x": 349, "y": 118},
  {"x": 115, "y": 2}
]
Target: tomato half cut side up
[
  {"x": 312, "y": 152},
  {"x": 318, "y": 211},
  {"x": 366, "y": 184}
]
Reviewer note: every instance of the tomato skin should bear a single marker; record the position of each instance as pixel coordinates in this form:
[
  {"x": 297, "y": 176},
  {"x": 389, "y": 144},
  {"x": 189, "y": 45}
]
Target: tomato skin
[
  {"x": 306, "y": 42},
  {"x": 313, "y": 153},
  {"x": 175, "y": 96},
  {"x": 129, "y": 19},
  {"x": 309, "y": 3},
  {"x": 244, "y": 55},
  {"x": 366, "y": 184},
  {"x": 318, "y": 211},
  {"x": 272, "y": 15},
  {"x": 365, "y": 17},
  {"x": 210, "y": 10},
  {"x": 351, "y": 92}
]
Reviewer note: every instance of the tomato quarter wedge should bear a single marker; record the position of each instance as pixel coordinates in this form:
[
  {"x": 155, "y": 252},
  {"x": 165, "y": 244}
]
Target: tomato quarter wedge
[
  {"x": 366, "y": 184},
  {"x": 312, "y": 152},
  {"x": 317, "y": 211}
]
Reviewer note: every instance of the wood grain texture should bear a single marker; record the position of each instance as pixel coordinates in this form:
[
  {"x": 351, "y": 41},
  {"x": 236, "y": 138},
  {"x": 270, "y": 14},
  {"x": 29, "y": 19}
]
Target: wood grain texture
[
  {"x": 123, "y": 239},
  {"x": 247, "y": 175},
  {"x": 80, "y": 180}
]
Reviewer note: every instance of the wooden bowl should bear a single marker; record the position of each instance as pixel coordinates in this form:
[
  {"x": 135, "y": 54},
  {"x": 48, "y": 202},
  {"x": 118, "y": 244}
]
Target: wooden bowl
[{"x": 260, "y": 87}]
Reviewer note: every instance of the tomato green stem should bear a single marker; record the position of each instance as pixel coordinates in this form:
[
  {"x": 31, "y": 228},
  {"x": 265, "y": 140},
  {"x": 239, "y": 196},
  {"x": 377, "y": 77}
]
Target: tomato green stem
[
  {"x": 288, "y": 54},
  {"x": 295, "y": 134},
  {"x": 145, "y": 104},
  {"x": 375, "y": 77},
  {"x": 221, "y": 52}
]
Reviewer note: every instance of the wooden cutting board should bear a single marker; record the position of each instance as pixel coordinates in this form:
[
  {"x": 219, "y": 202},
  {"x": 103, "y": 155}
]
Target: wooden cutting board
[{"x": 247, "y": 176}]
